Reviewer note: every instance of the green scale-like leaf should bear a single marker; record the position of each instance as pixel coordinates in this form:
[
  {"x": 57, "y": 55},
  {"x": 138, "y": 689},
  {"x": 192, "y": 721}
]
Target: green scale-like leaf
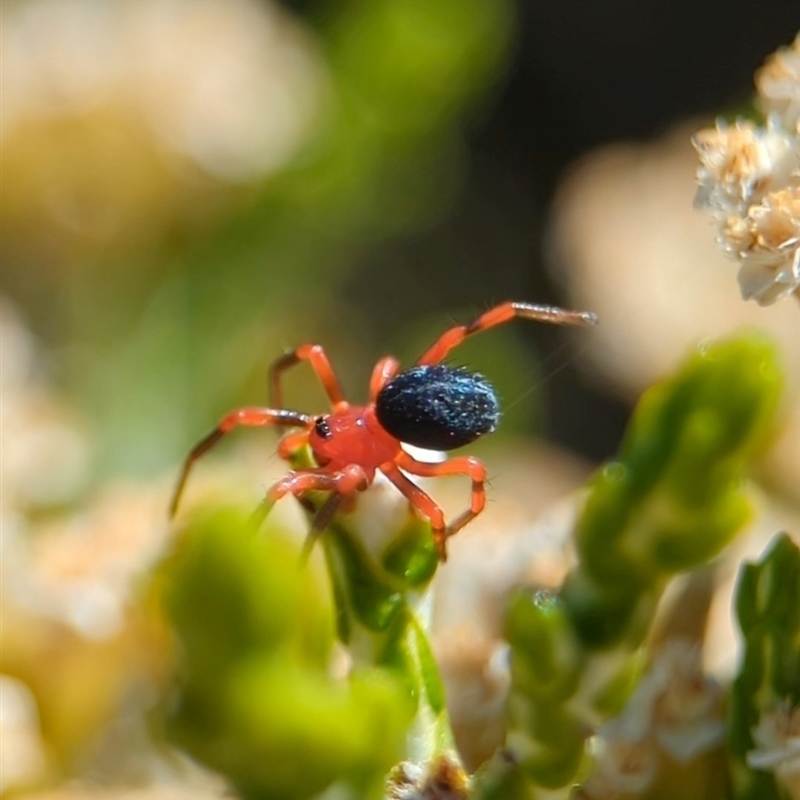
[
  {"x": 672, "y": 499},
  {"x": 768, "y": 610}
]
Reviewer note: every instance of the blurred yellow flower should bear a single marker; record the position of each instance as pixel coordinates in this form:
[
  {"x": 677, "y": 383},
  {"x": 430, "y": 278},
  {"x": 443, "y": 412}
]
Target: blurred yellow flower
[{"x": 121, "y": 117}]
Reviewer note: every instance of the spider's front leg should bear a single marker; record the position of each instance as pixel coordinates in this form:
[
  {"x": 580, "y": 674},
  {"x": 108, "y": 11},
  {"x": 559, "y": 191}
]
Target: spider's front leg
[
  {"x": 499, "y": 315},
  {"x": 291, "y": 443},
  {"x": 340, "y": 483},
  {"x": 252, "y": 417},
  {"x": 316, "y": 356}
]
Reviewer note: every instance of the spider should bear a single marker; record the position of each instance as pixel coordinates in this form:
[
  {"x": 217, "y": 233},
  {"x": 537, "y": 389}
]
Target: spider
[{"x": 431, "y": 405}]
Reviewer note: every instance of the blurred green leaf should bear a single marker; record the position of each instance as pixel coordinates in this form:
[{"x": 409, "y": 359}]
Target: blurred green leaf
[
  {"x": 672, "y": 498},
  {"x": 253, "y": 696},
  {"x": 768, "y": 610}
]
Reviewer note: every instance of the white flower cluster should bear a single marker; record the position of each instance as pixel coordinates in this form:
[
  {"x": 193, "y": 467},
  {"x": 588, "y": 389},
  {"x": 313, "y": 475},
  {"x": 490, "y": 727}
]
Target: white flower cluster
[
  {"x": 778, "y": 84},
  {"x": 674, "y": 717},
  {"x": 777, "y": 737},
  {"x": 749, "y": 177}
]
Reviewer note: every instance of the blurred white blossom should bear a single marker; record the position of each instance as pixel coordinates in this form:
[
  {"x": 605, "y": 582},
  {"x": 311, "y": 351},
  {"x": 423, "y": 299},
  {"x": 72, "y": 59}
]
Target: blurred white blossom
[
  {"x": 778, "y": 84},
  {"x": 749, "y": 177},
  {"x": 125, "y": 117},
  {"x": 22, "y": 757},
  {"x": 232, "y": 84},
  {"x": 777, "y": 738},
  {"x": 79, "y": 568},
  {"x": 742, "y": 163},
  {"x": 84, "y": 570},
  {"x": 674, "y": 716},
  {"x": 45, "y": 448}
]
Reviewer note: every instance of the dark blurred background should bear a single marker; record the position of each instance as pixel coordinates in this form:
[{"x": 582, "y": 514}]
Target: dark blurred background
[
  {"x": 161, "y": 269},
  {"x": 581, "y": 74}
]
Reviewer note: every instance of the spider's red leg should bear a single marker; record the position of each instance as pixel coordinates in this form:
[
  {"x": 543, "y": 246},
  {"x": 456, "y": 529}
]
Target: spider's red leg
[
  {"x": 423, "y": 503},
  {"x": 465, "y": 465},
  {"x": 294, "y": 483},
  {"x": 291, "y": 443},
  {"x": 346, "y": 481},
  {"x": 384, "y": 371},
  {"x": 315, "y": 355},
  {"x": 251, "y": 417},
  {"x": 342, "y": 483},
  {"x": 498, "y": 315},
  {"x": 321, "y": 521}
]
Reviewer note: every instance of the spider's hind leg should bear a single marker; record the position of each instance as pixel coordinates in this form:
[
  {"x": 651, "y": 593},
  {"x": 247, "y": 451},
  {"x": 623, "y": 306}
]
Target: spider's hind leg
[
  {"x": 464, "y": 465},
  {"x": 423, "y": 503},
  {"x": 341, "y": 484}
]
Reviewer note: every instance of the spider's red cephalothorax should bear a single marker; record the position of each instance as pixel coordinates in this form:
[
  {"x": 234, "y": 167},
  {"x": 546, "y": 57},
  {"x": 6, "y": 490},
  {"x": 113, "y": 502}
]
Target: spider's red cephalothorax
[{"x": 430, "y": 405}]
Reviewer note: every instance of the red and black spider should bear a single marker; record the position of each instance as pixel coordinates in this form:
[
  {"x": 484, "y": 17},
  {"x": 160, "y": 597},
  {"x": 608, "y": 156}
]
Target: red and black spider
[{"x": 431, "y": 405}]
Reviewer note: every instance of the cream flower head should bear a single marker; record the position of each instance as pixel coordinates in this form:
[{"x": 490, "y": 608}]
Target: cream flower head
[{"x": 749, "y": 178}]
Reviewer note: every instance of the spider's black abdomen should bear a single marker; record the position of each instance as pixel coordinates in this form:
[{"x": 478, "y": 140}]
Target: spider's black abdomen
[{"x": 437, "y": 407}]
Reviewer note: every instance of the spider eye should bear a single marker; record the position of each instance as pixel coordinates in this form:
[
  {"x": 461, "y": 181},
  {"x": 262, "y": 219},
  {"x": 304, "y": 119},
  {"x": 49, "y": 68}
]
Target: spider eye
[{"x": 322, "y": 428}]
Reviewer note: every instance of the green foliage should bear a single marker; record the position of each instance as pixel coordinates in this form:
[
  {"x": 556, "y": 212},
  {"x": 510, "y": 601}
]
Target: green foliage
[
  {"x": 253, "y": 695},
  {"x": 673, "y": 497},
  {"x": 376, "y": 609},
  {"x": 768, "y": 610},
  {"x": 671, "y": 500},
  {"x": 413, "y": 64}
]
